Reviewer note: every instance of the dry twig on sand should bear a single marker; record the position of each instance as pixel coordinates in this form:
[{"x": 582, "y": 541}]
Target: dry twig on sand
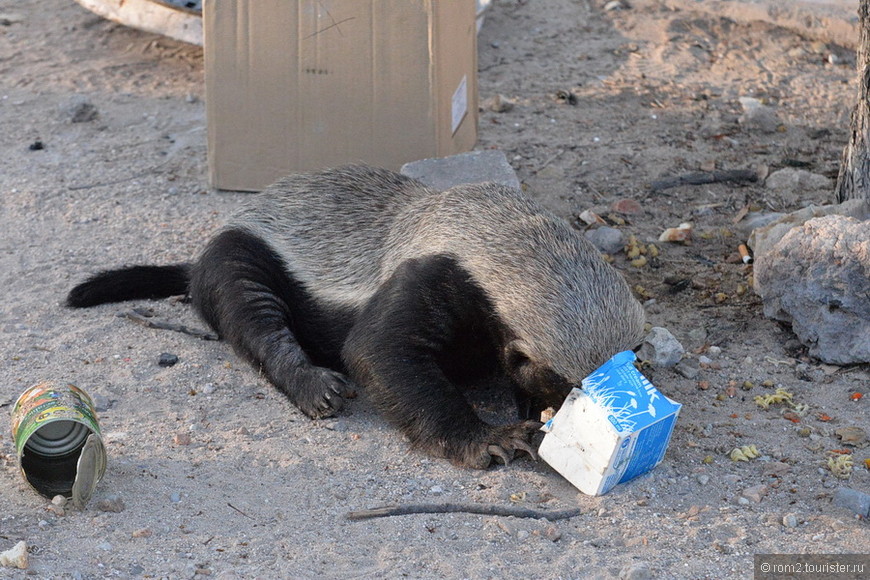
[{"x": 470, "y": 508}]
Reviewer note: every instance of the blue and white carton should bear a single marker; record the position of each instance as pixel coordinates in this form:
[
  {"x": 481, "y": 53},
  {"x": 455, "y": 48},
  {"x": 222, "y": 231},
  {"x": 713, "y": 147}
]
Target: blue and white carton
[{"x": 616, "y": 426}]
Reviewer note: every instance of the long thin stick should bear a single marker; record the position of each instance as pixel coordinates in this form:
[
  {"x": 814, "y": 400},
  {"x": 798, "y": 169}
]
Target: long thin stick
[
  {"x": 162, "y": 325},
  {"x": 470, "y": 508}
]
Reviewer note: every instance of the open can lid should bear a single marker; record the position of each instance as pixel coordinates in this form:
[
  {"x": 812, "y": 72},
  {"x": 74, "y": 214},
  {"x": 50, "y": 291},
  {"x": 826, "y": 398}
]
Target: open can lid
[{"x": 89, "y": 470}]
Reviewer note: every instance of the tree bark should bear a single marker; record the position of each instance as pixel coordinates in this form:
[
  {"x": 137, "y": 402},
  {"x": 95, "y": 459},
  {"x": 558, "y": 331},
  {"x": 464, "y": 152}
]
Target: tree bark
[{"x": 853, "y": 181}]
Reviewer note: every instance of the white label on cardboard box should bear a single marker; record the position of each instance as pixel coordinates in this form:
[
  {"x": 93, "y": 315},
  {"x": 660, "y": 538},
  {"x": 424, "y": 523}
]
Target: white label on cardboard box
[
  {"x": 614, "y": 429},
  {"x": 459, "y": 103}
]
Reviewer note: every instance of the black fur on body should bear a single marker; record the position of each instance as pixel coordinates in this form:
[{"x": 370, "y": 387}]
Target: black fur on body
[{"x": 361, "y": 276}]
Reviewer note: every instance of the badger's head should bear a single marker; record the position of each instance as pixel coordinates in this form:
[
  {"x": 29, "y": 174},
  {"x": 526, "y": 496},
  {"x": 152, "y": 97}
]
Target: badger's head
[
  {"x": 563, "y": 309},
  {"x": 566, "y": 320}
]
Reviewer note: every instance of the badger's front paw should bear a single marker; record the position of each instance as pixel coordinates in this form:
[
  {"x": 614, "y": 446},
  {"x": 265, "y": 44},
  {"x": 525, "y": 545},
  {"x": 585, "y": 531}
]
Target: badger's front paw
[
  {"x": 319, "y": 392},
  {"x": 499, "y": 443}
]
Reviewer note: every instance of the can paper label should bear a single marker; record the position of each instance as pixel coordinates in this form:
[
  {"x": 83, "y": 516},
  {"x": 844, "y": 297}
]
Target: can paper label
[{"x": 44, "y": 403}]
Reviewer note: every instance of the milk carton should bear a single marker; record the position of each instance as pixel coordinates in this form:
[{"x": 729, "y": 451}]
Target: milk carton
[{"x": 616, "y": 426}]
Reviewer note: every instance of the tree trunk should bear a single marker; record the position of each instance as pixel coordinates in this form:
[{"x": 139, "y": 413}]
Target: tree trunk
[{"x": 853, "y": 182}]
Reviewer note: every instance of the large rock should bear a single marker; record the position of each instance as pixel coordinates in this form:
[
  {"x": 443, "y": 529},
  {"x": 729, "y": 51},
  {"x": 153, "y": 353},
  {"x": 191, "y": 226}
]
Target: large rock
[
  {"x": 816, "y": 279},
  {"x": 766, "y": 235}
]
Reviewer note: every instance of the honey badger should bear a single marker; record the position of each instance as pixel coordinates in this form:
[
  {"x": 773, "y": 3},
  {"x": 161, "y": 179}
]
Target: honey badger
[{"x": 362, "y": 276}]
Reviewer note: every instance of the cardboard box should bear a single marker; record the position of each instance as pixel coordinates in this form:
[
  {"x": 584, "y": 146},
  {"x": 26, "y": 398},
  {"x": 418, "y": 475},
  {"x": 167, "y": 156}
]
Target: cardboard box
[
  {"x": 303, "y": 84},
  {"x": 615, "y": 427}
]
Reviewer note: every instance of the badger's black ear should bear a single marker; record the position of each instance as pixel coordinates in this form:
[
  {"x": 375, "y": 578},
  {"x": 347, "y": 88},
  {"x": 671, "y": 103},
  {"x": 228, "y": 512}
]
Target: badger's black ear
[
  {"x": 519, "y": 359},
  {"x": 533, "y": 377}
]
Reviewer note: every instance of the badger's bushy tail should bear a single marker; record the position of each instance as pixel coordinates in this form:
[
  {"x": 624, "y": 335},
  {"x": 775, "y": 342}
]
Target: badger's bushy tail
[{"x": 131, "y": 283}]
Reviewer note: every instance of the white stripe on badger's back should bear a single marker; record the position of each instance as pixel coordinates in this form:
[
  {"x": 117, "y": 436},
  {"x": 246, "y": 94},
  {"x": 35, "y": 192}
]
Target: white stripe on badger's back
[{"x": 330, "y": 227}]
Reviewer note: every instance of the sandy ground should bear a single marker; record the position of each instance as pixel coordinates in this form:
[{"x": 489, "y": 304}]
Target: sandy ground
[{"x": 213, "y": 474}]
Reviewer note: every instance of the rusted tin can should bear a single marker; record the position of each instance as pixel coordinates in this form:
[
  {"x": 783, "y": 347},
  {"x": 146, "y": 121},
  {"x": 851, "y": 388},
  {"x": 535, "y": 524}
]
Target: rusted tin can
[{"x": 57, "y": 438}]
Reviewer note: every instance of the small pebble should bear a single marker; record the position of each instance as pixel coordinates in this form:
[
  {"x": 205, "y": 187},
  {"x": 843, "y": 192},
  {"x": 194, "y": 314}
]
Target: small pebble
[
  {"x": 59, "y": 500},
  {"x": 615, "y": 5},
  {"x": 626, "y": 205},
  {"x": 79, "y": 110},
  {"x": 714, "y": 350},
  {"x": 852, "y": 435},
  {"x": 688, "y": 368},
  {"x": 757, "y": 116},
  {"x": 498, "y": 104},
  {"x": 703, "y": 479},
  {"x": 755, "y": 493},
  {"x": 105, "y": 546},
  {"x": 181, "y": 439},
  {"x": 776, "y": 469},
  {"x": 635, "y": 572},
  {"x": 722, "y": 548},
  {"x": 167, "y": 359},
  {"x": 56, "y": 510},
  {"x": 607, "y": 239},
  {"x": 112, "y": 503},
  {"x": 208, "y": 389},
  {"x": 790, "y": 520},
  {"x": 436, "y": 489},
  {"x": 505, "y": 527},
  {"x": 552, "y": 533},
  {"x": 101, "y": 402},
  {"x": 142, "y": 533},
  {"x": 698, "y": 335},
  {"x": 175, "y": 497}
]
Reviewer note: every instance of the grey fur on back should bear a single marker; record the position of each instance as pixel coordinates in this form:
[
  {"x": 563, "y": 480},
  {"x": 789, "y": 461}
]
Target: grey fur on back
[{"x": 343, "y": 232}]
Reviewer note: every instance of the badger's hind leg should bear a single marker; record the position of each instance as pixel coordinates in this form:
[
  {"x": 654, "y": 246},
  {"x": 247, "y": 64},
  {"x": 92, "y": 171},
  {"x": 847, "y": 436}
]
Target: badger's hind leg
[
  {"x": 405, "y": 344},
  {"x": 241, "y": 288}
]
